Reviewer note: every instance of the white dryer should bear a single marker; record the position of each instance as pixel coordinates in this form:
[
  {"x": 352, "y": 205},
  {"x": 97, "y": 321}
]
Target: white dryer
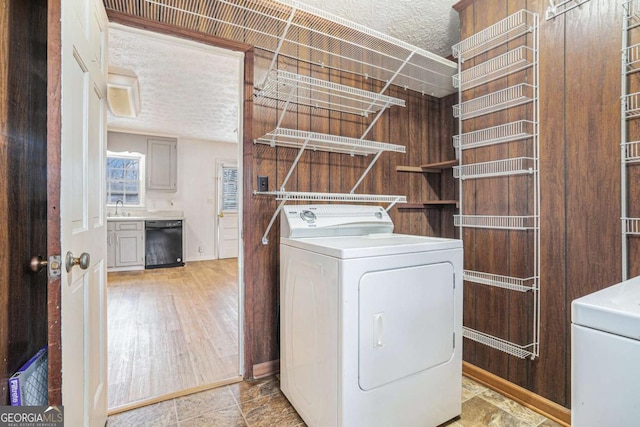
[
  {"x": 605, "y": 351},
  {"x": 371, "y": 321}
]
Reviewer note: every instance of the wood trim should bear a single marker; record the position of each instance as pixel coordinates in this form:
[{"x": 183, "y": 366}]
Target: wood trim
[
  {"x": 247, "y": 212},
  {"x": 162, "y": 28},
  {"x": 462, "y": 4},
  {"x": 169, "y": 396},
  {"x": 266, "y": 369},
  {"x": 54, "y": 139},
  {"x": 543, "y": 406}
]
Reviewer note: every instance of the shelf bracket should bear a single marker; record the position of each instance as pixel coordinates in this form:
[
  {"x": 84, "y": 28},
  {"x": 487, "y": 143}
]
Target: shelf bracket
[
  {"x": 563, "y": 7},
  {"x": 392, "y": 204},
  {"x": 373, "y": 162},
  {"x": 375, "y": 159},
  {"x": 280, "y": 43},
  {"x": 295, "y": 163},
  {"x": 386, "y": 86},
  {"x": 265, "y": 239},
  {"x": 286, "y": 106}
]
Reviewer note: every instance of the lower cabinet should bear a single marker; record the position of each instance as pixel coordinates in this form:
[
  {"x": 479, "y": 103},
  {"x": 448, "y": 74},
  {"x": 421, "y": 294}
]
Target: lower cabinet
[
  {"x": 125, "y": 245},
  {"x": 111, "y": 244}
]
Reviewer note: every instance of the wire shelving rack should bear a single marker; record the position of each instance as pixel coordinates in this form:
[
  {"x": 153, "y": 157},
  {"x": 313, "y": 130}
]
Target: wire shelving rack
[{"x": 522, "y": 26}]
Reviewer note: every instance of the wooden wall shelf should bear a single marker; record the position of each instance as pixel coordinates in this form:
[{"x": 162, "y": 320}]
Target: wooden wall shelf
[
  {"x": 429, "y": 204},
  {"x": 429, "y": 167}
]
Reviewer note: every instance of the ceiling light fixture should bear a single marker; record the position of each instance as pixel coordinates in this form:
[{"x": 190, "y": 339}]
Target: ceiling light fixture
[{"x": 123, "y": 92}]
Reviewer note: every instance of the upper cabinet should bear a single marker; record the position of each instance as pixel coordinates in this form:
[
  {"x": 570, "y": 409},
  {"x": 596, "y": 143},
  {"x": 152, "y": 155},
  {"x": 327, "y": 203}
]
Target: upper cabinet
[{"x": 162, "y": 165}]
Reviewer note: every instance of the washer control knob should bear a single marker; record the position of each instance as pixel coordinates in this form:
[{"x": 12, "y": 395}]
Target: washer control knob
[
  {"x": 308, "y": 216},
  {"x": 378, "y": 215}
]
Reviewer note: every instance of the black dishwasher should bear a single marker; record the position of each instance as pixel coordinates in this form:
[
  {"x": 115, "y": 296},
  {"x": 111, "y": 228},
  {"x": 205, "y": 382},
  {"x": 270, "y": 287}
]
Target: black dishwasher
[{"x": 163, "y": 243}]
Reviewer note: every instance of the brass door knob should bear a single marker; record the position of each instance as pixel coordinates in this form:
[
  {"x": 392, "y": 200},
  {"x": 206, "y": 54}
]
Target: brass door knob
[
  {"x": 83, "y": 261},
  {"x": 37, "y": 263},
  {"x": 221, "y": 214}
]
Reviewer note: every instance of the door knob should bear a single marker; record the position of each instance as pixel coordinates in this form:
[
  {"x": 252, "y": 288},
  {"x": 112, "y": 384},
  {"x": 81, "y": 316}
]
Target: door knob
[
  {"x": 221, "y": 214},
  {"x": 37, "y": 263},
  {"x": 83, "y": 261}
]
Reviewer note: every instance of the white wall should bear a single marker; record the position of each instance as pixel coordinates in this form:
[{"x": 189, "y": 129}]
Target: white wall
[
  {"x": 197, "y": 189},
  {"x": 198, "y": 186}
]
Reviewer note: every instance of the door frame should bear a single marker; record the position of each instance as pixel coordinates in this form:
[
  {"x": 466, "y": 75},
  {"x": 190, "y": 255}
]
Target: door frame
[{"x": 54, "y": 129}]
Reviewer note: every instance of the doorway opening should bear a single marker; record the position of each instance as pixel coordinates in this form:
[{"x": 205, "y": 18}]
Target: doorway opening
[{"x": 175, "y": 331}]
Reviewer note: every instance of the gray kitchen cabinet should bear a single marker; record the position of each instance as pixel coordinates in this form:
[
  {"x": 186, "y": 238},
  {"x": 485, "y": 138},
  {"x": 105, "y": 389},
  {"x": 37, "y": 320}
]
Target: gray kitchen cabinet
[
  {"x": 162, "y": 165},
  {"x": 125, "y": 245},
  {"x": 111, "y": 244}
]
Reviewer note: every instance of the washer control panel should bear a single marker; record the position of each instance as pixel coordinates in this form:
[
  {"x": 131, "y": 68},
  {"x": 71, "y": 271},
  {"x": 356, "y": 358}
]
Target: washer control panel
[
  {"x": 308, "y": 216},
  {"x": 334, "y": 220}
]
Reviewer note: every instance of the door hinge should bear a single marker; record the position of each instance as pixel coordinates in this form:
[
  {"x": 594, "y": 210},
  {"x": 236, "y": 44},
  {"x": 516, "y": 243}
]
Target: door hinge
[
  {"x": 454, "y": 340},
  {"x": 454, "y": 280},
  {"x": 54, "y": 266}
]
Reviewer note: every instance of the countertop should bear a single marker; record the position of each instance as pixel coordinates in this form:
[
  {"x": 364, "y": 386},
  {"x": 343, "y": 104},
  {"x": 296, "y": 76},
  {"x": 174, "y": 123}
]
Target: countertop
[{"x": 147, "y": 216}]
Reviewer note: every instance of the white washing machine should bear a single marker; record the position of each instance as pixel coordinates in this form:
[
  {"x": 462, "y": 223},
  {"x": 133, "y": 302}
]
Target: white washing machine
[
  {"x": 371, "y": 321},
  {"x": 605, "y": 357}
]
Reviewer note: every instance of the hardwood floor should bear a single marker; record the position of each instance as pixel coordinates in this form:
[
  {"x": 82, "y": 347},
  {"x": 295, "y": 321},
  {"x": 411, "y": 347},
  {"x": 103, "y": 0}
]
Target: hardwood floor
[{"x": 171, "y": 329}]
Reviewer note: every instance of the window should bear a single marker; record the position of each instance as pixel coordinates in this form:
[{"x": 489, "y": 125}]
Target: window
[
  {"x": 125, "y": 178},
  {"x": 229, "y": 188}
]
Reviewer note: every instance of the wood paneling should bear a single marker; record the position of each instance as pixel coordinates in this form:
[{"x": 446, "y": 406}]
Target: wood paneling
[
  {"x": 580, "y": 191},
  {"x": 23, "y": 196},
  {"x": 419, "y": 127}
]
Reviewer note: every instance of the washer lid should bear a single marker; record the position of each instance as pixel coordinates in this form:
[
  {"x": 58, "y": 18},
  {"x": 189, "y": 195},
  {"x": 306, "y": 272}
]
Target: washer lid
[
  {"x": 346, "y": 247},
  {"x": 333, "y": 220},
  {"x": 615, "y": 309}
]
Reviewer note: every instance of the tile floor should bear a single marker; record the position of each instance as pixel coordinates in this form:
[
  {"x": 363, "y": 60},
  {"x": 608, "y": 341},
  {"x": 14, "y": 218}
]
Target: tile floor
[{"x": 259, "y": 403}]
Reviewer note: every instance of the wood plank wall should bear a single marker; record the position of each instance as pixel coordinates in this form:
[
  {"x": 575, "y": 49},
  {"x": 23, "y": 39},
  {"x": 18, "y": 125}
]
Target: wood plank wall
[
  {"x": 23, "y": 195},
  {"x": 425, "y": 127},
  {"x": 580, "y": 191}
]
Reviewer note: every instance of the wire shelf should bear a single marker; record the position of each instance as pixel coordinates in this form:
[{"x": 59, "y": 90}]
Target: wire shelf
[
  {"x": 632, "y": 58},
  {"x": 331, "y": 197},
  {"x": 317, "y": 93},
  {"x": 505, "y": 222},
  {"x": 631, "y": 105},
  {"x": 499, "y": 33},
  {"x": 506, "y": 98},
  {"x": 499, "y": 281},
  {"x": 521, "y": 351},
  {"x": 294, "y": 138},
  {"x": 632, "y": 14},
  {"x": 515, "y": 60},
  {"x": 296, "y": 30},
  {"x": 506, "y": 167},
  {"x": 632, "y": 152},
  {"x": 632, "y": 226},
  {"x": 562, "y": 7},
  {"x": 514, "y": 131}
]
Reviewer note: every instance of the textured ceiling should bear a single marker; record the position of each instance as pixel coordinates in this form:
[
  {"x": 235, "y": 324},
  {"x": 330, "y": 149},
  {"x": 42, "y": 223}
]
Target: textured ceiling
[
  {"x": 432, "y": 25},
  {"x": 186, "y": 90}
]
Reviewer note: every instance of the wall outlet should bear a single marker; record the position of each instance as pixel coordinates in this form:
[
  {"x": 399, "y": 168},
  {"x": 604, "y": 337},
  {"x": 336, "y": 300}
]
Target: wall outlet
[
  {"x": 263, "y": 183},
  {"x": 200, "y": 249}
]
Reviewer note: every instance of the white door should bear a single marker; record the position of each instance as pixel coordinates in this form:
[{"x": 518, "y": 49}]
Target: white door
[
  {"x": 83, "y": 227},
  {"x": 227, "y": 210}
]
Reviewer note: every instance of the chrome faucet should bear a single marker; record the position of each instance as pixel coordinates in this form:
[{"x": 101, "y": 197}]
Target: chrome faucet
[{"x": 121, "y": 204}]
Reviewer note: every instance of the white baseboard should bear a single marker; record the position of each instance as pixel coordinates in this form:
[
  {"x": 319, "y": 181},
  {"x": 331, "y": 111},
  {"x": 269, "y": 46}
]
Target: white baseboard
[{"x": 201, "y": 258}]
